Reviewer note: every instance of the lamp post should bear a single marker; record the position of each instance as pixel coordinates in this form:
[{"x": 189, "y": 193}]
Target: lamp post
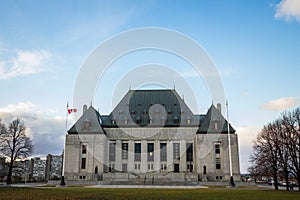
[
  {"x": 231, "y": 182},
  {"x": 62, "y": 180}
]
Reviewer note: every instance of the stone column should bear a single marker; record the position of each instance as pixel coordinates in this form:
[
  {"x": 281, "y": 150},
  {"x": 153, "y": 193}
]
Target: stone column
[
  {"x": 170, "y": 164},
  {"x": 118, "y": 162},
  {"x": 182, "y": 166},
  {"x": 144, "y": 164},
  {"x": 156, "y": 165},
  {"x": 130, "y": 163}
]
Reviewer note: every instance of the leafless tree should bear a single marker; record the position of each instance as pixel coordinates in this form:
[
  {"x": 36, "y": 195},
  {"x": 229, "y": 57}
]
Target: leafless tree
[
  {"x": 15, "y": 144},
  {"x": 277, "y": 148},
  {"x": 265, "y": 153},
  {"x": 291, "y": 123}
]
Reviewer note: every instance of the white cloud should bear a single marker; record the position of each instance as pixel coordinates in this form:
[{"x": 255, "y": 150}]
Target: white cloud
[
  {"x": 288, "y": 10},
  {"x": 247, "y": 135},
  {"x": 46, "y": 129},
  {"x": 281, "y": 104},
  {"x": 23, "y": 63}
]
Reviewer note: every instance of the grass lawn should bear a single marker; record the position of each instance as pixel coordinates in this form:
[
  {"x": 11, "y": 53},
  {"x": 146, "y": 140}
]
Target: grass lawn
[{"x": 139, "y": 194}]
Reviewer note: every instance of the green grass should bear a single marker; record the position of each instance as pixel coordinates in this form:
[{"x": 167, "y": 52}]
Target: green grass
[{"x": 139, "y": 194}]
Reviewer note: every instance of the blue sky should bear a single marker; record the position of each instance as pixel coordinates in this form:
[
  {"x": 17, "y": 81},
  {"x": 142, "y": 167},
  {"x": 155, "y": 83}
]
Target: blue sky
[{"x": 254, "y": 44}]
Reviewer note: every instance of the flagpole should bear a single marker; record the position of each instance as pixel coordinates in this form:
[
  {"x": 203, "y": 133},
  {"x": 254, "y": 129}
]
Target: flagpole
[
  {"x": 231, "y": 183},
  {"x": 67, "y": 116},
  {"x": 62, "y": 181}
]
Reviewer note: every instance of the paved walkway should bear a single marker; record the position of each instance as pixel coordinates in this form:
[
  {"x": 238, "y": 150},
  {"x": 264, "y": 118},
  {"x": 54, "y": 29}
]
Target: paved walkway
[{"x": 148, "y": 186}]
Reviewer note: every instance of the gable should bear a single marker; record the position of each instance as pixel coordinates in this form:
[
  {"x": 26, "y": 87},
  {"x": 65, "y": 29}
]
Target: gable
[
  {"x": 214, "y": 122},
  {"x": 89, "y": 122}
]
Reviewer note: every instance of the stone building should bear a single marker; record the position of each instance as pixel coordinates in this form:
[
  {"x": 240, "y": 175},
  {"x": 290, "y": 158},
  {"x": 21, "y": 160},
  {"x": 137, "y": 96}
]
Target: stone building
[{"x": 151, "y": 135}]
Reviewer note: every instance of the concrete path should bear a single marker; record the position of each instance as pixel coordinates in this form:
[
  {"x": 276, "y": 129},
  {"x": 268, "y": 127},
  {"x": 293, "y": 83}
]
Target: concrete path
[{"x": 148, "y": 186}]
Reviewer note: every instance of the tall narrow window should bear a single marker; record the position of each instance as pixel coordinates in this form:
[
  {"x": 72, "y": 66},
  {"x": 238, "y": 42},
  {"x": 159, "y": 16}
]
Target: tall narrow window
[
  {"x": 176, "y": 151},
  {"x": 112, "y": 151},
  {"x": 137, "y": 152},
  {"x": 124, "y": 151},
  {"x": 124, "y": 167},
  {"x": 83, "y": 163},
  {"x": 217, "y": 148},
  {"x": 218, "y": 163},
  {"x": 83, "y": 149},
  {"x": 150, "y": 150},
  {"x": 163, "y": 152},
  {"x": 189, "y": 152}
]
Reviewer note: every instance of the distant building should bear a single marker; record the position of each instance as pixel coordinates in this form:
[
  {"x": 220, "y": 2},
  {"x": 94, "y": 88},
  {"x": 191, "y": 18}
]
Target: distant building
[
  {"x": 2, "y": 168},
  {"x": 151, "y": 135},
  {"x": 38, "y": 169},
  {"x": 53, "y": 167},
  {"x": 21, "y": 170}
]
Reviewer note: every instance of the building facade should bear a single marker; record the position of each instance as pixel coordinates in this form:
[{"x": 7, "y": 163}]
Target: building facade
[
  {"x": 53, "y": 167},
  {"x": 3, "y": 170},
  {"x": 151, "y": 135},
  {"x": 38, "y": 169}
]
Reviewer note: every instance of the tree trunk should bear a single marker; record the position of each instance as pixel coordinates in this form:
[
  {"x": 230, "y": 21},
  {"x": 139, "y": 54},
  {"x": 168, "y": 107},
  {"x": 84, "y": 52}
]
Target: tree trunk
[
  {"x": 10, "y": 168},
  {"x": 286, "y": 176},
  {"x": 298, "y": 180},
  {"x": 275, "y": 182}
]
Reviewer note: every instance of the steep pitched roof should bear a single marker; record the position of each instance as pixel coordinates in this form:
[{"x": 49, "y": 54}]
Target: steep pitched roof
[
  {"x": 89, "y": 122},
  {"x": 153, "y": 108},
  {"x": 214, "y": 122}
]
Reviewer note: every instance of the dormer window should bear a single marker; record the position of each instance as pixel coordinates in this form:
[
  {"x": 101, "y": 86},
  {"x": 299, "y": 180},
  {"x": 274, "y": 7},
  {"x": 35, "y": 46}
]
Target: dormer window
[
  {"x": 121, "y": 112},
  {"x": 215, "y": 125},
  {"x": 138, "y": 120},
  {"x": 176, "y": 120},
  {"x": 169, "y": 112},
  {"x": 163, "y": 120},
  {"x": 125, "y": 121},
  {"x": 150, "y": 121},
  {"x": 145, "y": 112},
  {"x": 188, "y": 121},
  {"x": 113, "y": 121},
  {"x": 86, "y": 125},
  {"x": 132, "y": 112}
]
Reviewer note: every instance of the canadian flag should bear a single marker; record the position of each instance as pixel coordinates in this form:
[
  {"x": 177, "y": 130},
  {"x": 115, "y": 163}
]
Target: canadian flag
[{"x": 72, "y": 110}]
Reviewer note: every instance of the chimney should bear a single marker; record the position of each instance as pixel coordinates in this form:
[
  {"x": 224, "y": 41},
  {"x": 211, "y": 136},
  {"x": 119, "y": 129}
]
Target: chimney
[
  {"x": 219, "y": 107},
  {"x": 84, "y": 108}
]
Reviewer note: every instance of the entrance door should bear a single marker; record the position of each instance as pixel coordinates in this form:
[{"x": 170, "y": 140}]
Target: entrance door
[{"x": 176, "y": 168}]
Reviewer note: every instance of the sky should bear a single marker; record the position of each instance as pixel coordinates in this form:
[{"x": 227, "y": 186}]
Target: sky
[{"x": 254, "y": 45}]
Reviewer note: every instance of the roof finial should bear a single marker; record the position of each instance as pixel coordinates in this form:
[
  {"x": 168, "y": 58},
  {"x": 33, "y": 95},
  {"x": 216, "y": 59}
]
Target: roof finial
[
  {"x": 174, "y": 86},
  {"x": 91, "y": 103},
  {"x": 129, "y": 87}
]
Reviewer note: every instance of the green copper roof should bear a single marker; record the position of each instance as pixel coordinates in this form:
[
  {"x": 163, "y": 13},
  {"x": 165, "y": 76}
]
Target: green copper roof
[{"x": 151, "y": 108}]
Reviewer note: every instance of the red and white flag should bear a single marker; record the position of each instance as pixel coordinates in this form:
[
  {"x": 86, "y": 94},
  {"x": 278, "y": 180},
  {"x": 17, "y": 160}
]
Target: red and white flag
[{"x": 70, "y": 110}]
